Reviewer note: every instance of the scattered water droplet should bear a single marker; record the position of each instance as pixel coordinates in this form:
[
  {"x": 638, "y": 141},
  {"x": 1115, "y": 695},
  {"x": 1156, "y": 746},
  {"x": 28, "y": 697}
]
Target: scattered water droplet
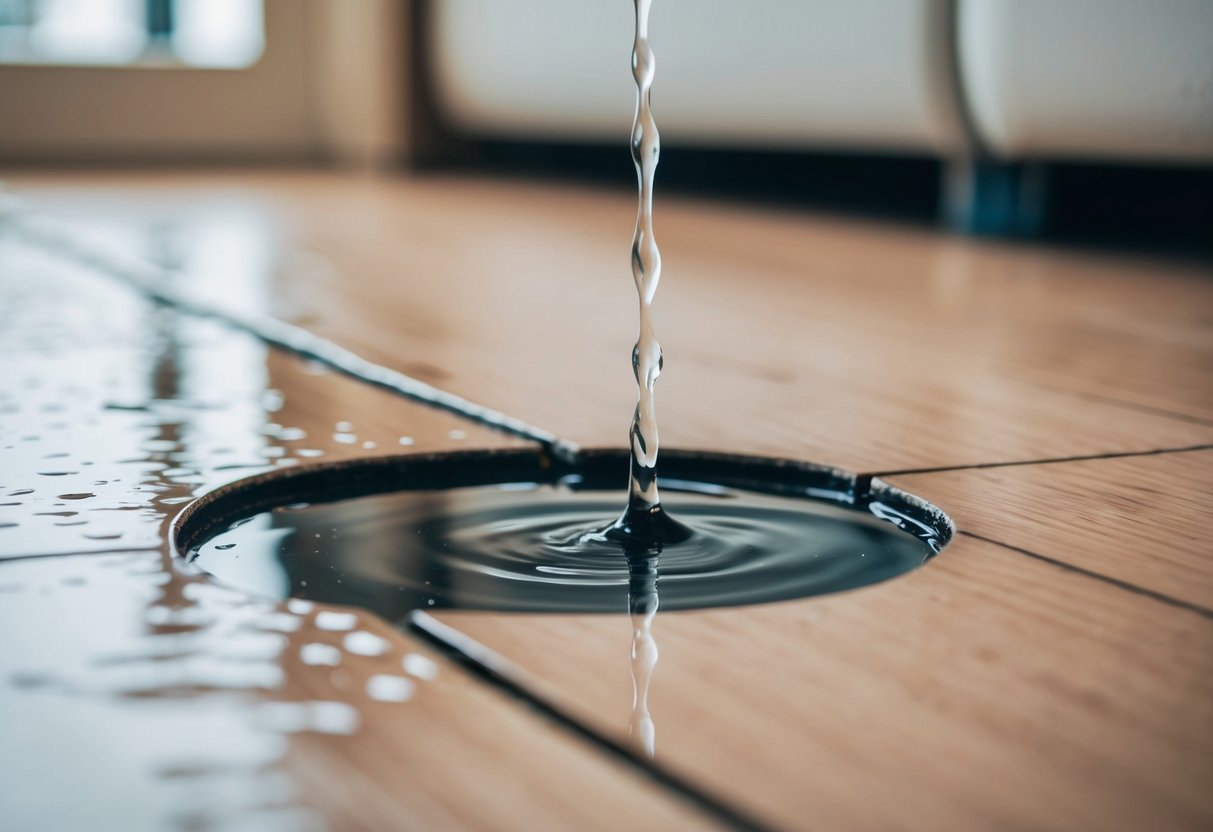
[
  {"x": 320, "y": 654},
  {"x": 333, "y": 620},
  {"x": 299, "y": 606},
  {"x": 363, "y": 643},
  {"x": 423, "y": 667},
  {"x": 385, "y": 688}
]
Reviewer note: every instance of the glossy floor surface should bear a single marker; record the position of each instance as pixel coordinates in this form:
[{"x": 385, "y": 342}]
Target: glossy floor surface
[{"x": 1052, "y": 668}]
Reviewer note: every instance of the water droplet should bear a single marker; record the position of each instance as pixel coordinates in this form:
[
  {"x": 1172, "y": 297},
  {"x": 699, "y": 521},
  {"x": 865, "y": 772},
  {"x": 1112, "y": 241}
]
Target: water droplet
[
  {"x": 333, "y": 620},
  {"x": 423, "y": 667},
  {"x": 320, "y": 654},
  {"x": 385, "y": 688},
  {"x": 299, "y": 606},
  {"x": 363, "y": 643}
]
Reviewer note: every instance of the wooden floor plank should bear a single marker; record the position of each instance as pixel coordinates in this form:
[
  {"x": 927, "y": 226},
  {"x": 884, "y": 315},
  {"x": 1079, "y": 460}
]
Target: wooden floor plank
[
  {"x": 176, "y": 703},
  {"x": 137, "y": 694},
  {"x": 114, "y": 413},
  {"x": 1142, "y": 520},
  {"x": 864, "y": 345},
  {"x": 987, "y": 690}
]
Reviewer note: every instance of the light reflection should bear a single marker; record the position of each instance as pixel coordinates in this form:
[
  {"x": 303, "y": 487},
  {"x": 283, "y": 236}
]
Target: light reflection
[
  {"x": 211, "y": 34},
  {"x": 191, "y": 693},
  {"x": 387, "y": 688},
  {"x": 362, "y": 643},
  {"x": 333, "y": 620},
  {"x": 320, "y": 654},
  {"x": 643, "y": 602},
  {"x": 420, "y": 666}
]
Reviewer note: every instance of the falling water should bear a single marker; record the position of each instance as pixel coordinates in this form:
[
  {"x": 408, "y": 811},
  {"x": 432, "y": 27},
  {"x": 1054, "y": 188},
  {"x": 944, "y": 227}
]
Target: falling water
[
  {"x": 642, "y": 604},
  {"x": 646, "y": 271}
]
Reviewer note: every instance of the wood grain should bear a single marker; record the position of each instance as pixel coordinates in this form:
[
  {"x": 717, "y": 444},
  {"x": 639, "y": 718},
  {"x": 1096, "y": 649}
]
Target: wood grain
[
  {"x": 156, "y": 698},
  {"x": 178, "y": 703},
  {"x": 865, "y": 345},
  {"x": 987, "y": 690},
  {"x": 990, "y": 689},
  {"x": 1142, "y": 520},
  {"x": 114, "y": 412}
]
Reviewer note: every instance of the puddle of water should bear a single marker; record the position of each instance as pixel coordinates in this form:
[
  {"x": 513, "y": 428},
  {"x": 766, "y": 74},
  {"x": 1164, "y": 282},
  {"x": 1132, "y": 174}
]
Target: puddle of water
[
  {"x": 505, "y": 531},
  {"x": 492, "y": 548}
]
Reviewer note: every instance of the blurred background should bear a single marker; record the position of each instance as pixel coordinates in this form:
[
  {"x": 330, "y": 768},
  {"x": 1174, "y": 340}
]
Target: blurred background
[{"x": 1084, "y": 120}]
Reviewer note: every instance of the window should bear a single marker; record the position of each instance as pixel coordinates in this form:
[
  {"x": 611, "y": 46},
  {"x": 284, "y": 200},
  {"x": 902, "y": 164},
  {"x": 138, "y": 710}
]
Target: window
[{"x": 211, "y": 34}]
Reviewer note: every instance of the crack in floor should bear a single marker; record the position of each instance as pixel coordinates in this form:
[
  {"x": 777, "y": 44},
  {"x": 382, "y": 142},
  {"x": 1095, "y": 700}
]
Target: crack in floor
[
  {"x": 1128, "y": 586},
  {"x": 1126, "y": 404},
  {"x": 493, "y": 669},
  {"x": 151, "y": 281},
  {"x": 978, "y": 466}
]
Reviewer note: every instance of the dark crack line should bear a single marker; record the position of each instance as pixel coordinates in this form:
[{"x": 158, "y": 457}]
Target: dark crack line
[
  {"x": 154, "y": 283},
  {"x": 491, "y": 668},
  {"x": 1145, "y": 408},
  {"x": 1102, "y": 398},
  {"x": 977, "y": 466},
  {"x": 1099, "y": 576}
]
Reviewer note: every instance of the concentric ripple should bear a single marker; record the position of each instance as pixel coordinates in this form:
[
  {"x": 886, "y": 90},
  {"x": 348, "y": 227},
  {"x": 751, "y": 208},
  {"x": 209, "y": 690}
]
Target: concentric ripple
[{"x": 530, "y": 547}]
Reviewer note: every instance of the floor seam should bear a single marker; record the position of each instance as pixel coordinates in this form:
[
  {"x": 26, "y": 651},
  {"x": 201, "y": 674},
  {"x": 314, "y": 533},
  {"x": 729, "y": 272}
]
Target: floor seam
[
  {"x": 492, "y": 669},
  {"x": 1125, "y": 404},
  {"x": 1128, "y": 586},
  {"x": 978, "y": 466},
  {"x": 149, "y": 280}
]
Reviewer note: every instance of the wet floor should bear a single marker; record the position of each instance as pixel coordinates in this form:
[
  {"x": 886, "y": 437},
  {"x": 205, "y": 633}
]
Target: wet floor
[
  {"x": 541, "y": 547},
  {"x": 157, "y": 699},
  {"x": 152, "y": 696}
]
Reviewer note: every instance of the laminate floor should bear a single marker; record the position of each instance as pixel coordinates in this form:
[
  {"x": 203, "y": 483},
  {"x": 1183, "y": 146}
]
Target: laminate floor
[{"x": 1052, "y": 668}]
